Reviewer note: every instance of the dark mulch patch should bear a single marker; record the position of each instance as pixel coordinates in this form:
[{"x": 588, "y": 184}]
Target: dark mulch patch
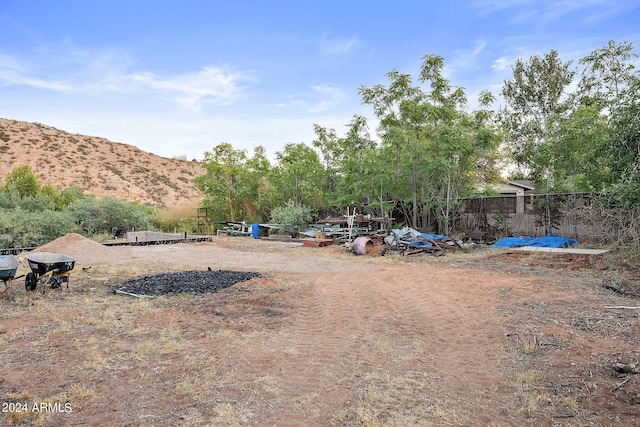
[{"x": 194, "y": 282}]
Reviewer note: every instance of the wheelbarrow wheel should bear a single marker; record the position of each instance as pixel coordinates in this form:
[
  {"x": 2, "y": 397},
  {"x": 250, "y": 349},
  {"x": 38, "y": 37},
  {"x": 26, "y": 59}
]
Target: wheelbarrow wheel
[{"x": 30, "y": 282}]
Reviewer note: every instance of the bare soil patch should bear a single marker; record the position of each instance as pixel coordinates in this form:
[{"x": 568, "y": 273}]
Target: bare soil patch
[{"x": 326, "y": 338}]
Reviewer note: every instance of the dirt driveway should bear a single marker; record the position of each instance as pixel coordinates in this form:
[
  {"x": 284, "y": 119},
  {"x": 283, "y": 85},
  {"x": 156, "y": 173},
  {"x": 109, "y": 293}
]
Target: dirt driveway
[{"x": 486, "y": 338}]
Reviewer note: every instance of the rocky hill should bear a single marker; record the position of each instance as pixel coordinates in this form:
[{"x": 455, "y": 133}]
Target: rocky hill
[{"x": 99, "y": 166}]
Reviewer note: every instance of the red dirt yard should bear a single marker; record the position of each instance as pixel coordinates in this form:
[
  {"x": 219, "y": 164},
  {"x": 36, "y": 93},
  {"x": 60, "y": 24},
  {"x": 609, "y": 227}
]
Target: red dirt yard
[{"x": 325, "y": 338}]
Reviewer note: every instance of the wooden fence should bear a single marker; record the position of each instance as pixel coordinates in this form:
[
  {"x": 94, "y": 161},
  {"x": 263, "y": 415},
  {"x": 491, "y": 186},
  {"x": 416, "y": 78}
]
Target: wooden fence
[{"x": 529, "y": 215}]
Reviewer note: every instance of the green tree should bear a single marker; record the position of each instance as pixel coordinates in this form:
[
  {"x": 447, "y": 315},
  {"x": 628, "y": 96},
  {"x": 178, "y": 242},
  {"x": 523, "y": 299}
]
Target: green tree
[
  {"x": 612, "y": 85},
  {"x": 119, "y": 216},
  {"x": 36, "y": 203},
  {"x": 23, "y": 229},
  {"x": 574, "y": 147},
  {"x": 23, "y": 181},
  {"x": 298, "y": 177},
  {"x": 435, "y": 147},
  {"x": 225, "y": 170},
  {"x": 68, "y": 196},
  {"x": 356, "y": 172},
  {"x": 624, "y": 149},
  {"x": 400, "y": 107},
  {"x": 608, "y": 71},
  {"x": 256, "y": 201},
  {"x": 236, "y": 186},
  {"x": 330, "y": 148},
  {"x": 364, "y": 174},
  {"x": 535, "y": 96},
  {"x": 109, "y": 216}
]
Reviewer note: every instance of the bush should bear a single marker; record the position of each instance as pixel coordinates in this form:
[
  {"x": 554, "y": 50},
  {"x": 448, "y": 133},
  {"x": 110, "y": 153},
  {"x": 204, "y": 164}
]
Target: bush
[
  {"x": 110, "y": 215},
  {"x": 31, "y": 214},
  {"x": 292, "y": 218},
  {"x": 28, "y": 229}
]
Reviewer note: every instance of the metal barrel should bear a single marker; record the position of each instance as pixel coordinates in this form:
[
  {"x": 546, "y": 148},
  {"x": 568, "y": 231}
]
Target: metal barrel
[{"x": 362, "y": 245}]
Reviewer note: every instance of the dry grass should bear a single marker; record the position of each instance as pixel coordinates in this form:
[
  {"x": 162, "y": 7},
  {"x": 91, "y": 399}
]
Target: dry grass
[{"x": 187, "y": 359}]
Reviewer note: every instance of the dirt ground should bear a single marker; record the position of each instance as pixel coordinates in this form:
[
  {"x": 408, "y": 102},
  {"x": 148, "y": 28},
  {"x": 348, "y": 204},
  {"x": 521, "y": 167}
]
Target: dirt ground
[{"x": 490, "y": 337}]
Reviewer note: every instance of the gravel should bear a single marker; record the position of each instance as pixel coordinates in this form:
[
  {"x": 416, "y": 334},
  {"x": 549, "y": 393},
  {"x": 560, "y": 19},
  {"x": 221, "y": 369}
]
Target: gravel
[{"x": 194, "y": 282}]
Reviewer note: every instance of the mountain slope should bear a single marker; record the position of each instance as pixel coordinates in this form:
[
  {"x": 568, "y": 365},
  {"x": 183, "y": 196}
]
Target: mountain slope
[{"x": 99, "y": 166}]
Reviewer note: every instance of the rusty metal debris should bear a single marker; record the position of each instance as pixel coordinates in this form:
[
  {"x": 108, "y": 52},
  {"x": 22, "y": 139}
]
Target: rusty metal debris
[{"x": 407, "y": 241}]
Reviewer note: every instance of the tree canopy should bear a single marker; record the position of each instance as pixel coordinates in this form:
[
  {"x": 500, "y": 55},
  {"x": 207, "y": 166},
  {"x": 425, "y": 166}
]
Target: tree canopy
[
  {"x": 32, "y": 214},
  {"x": 567, "y": 128}
]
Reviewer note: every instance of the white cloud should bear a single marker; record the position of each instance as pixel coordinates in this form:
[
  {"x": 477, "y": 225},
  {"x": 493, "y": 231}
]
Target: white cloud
[
  {"x": 502, "y": 63},
  {"x": 211, "y": 85},
  {"x": 487, "y": 7},
  {"x": 321, "y": 99},
  {"x": 107, "y": 72},
  {"x": 542, "y": 13},
  {"x": 12, "y": 78},
  {"x": 339, "y": 46},
  {"x": 14, "y": 73},
  {"x": 478, "y": 49},
  {"x": 462, "y": 60},
  {"x": 8, "y": 63}
]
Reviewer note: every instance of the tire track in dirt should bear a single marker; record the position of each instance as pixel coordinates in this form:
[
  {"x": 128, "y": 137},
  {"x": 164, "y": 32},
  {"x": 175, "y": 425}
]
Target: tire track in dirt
[{"x": 430, "y": 322}]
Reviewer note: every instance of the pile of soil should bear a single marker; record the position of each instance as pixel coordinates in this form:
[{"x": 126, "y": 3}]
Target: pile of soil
[
  {"x": 85, "y": 251},
  {"x": 193, "y": 282}
]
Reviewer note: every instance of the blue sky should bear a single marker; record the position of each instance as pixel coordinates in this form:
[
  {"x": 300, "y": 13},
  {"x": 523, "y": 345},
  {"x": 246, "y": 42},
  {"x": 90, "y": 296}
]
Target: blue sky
[{"x": 176, "y": 78}]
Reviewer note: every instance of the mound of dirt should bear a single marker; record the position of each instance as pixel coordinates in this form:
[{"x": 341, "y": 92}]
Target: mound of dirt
[{"x": 84, "y": 250}]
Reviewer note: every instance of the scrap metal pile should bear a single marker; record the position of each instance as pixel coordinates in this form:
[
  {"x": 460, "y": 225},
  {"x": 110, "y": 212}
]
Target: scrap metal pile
[
  {"x": 407, "y": 241},
  {"x": 369, "y": 231}
]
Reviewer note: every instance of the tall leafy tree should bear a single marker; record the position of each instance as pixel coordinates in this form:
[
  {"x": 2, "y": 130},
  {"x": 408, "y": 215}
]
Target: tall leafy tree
[
  {"x": 331, "y": 152},
  {"x": 400, "y": 106},
  {"x": 610, "y": 78},
  {"x": 574, "y": 146},
  {"x": 434, "y": 146},
  {"x": 366, "y": 174},
  {"x": 624, "y": 148},
  {"x": 256, "y": 200},
  {"x": 535, "y": 97},
  {"x": 608, "y": 72},
  {"x": 596, "y": 146},
  {"x": 223, "y": 182},
  {"x": 297, "y": 177},
  {"x": 356, "y": 169}
]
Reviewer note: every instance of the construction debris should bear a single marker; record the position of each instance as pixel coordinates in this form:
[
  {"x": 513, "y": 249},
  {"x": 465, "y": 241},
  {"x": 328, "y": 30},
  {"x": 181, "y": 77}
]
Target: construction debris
[{"x": 407, "y": 241}]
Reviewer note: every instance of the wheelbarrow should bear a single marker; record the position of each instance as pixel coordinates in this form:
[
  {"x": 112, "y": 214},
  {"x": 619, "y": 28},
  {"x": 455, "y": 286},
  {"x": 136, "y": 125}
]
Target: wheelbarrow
[
  {"x": 8, "y": 268},
  {"x": 52, "y": 266}
]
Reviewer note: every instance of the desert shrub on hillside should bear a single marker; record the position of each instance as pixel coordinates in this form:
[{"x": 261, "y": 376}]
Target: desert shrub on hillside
[{"x": 32, "y": 214}]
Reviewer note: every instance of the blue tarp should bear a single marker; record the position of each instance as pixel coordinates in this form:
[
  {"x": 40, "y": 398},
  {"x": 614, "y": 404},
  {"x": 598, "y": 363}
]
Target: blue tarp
[
  {"x": 433, "y": 236},
  {"x": 414, "y": 238},
  {"x": 420, "y": 244},
  {"x": 548, "y": 241}
]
